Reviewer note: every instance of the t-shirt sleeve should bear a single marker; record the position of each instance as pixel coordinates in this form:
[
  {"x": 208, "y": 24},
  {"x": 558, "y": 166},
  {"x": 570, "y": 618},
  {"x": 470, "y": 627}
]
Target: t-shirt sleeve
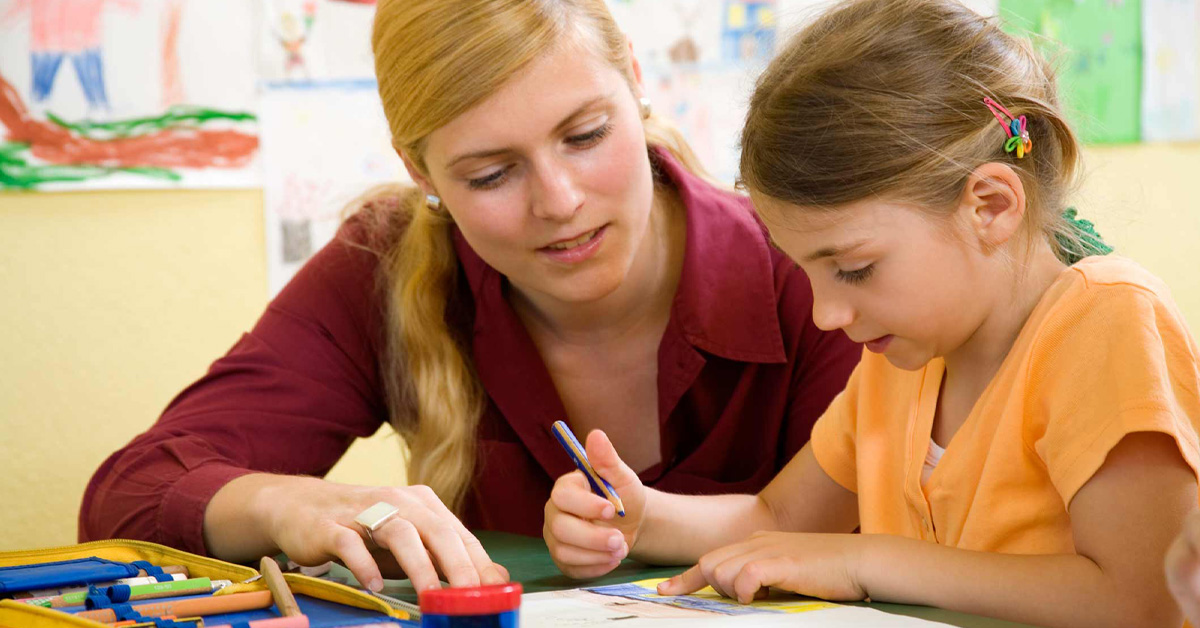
[
  {"x": 834, "y": 435},
  {"x": 289, "y": 398},
  {"x": 1116, "y": 361}
]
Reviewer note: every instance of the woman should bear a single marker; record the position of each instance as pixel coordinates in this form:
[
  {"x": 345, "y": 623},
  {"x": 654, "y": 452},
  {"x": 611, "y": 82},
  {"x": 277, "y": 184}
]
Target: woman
[{"x": 560, "y": 257}]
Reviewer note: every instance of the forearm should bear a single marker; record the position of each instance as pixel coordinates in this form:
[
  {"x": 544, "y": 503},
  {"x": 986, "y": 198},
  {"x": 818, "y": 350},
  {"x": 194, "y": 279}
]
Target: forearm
[
  {"x": 1045, "y": 590},
  {"x": 680, "y": 528},
  {"x": 238, "y": 524}
]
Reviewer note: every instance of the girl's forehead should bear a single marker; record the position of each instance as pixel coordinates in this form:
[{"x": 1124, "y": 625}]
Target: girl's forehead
[
  {"x": 805, "y": 232},
  {"x": 800, "y": 219}
]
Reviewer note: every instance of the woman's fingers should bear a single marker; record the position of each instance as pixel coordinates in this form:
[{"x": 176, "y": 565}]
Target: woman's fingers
[
  {"x": 422, "y": 538},
  {"x": 347, "y": 546},
  {"x": 487, "y": 572},
  {"x": 401, "y": 537},
  {"x": 447, "y": 549}
]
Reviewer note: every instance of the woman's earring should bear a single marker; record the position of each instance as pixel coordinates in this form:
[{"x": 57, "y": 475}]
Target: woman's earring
[
  {"x": 434, "y": 202},
  {"x": 646, "y": 108}
]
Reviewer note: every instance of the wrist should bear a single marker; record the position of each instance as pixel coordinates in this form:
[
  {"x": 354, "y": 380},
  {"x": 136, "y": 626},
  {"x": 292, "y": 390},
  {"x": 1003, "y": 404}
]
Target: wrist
[
  {"x": 268, "y": 500},
  {"x": 644, "y": 525},
  {"x": 866, "y": 558}
]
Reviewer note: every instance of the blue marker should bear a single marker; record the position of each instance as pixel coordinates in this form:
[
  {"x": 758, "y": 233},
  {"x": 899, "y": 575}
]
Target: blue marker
[{"x": 579, "y": 457}]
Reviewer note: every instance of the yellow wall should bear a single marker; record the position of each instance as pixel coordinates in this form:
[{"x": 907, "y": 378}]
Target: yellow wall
[{"x": 110, "y": 303}]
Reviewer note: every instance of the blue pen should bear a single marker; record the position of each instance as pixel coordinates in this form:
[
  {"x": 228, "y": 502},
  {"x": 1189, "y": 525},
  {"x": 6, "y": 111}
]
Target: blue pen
[{"x": 579, "y": 457}]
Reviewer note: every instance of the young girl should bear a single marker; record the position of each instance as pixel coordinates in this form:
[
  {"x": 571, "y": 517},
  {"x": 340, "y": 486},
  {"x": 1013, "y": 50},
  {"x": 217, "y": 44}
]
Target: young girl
[{"x": 1019, "y": 439}]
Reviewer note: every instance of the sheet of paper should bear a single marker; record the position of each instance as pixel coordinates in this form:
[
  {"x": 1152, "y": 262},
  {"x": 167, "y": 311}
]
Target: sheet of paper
[
  {"x": 699, "y": 59},
  {"x": 636, "y": 605},
  {"x": 102, "y": 94},
  {"x": 324, "y": 144},
  {"x": 315, "y": 40},
  {"x": 708, "y": 600},
  {"x": 1170, "y": 76}
]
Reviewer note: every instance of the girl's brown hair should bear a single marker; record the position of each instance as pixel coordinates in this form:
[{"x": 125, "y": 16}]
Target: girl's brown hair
[
  {"x": 885, "y": 98},
  {"x": 434, "y": 60}
]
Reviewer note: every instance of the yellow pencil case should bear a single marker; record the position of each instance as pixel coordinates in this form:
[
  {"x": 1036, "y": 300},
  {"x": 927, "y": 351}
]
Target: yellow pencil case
[{"x": 15, "y": 614}]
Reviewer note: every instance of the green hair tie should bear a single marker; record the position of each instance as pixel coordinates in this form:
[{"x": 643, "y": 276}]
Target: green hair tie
[{"x": 1083, "y": 240}]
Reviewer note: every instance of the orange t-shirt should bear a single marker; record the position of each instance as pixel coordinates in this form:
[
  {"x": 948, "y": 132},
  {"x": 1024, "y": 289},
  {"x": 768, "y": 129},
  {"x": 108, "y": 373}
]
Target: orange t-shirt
[{"x": 1104, "y": 353}]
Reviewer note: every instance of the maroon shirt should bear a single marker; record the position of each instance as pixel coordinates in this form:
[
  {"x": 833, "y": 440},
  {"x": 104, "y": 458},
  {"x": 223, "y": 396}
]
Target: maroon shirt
[{"x": 742, "y": 375}]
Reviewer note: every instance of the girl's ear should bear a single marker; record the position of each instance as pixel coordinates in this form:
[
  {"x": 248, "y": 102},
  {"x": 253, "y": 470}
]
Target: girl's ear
[{"x": 993, "y": 203}]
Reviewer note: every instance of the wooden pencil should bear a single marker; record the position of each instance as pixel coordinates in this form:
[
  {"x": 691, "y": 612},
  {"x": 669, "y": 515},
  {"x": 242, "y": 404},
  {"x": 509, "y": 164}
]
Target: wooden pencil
[{"x": 284, "y": 600}]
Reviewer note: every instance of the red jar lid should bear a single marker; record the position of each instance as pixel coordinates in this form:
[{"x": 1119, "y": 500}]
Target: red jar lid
[{"x": 496, "y": 598}]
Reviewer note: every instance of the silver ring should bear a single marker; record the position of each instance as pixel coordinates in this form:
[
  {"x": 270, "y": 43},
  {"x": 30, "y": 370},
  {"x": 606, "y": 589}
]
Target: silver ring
[{"x": 374, "y": 517}]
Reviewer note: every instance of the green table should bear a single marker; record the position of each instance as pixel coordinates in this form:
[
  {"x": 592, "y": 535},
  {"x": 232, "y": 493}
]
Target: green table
[{"x": 528, "y": 562}]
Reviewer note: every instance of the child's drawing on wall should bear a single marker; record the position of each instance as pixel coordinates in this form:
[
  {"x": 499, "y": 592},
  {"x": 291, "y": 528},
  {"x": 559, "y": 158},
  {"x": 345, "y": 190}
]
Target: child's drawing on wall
[
  {"x": 61, "y": 29},
  {"x": 748, "y": 32},
  {"x": 293, "y": 32}
]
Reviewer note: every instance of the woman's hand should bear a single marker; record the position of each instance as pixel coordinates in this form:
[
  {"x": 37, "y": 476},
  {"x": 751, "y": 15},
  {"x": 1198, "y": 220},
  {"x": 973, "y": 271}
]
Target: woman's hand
[
  {"x": 312, "y": 521},
  {"x": 818, "y": 565},
  {"x": 585, "y": 536}
]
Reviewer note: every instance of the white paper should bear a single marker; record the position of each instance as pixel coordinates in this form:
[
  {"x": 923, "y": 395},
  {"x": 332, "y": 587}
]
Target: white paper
[
  {"x": 324, "y": 144},
  {"x": 315, "y": 40},
  {"x": 581, "y": 609},
  {"x": 1170, "y": 77},
  {"x": 699, "y": 60}
]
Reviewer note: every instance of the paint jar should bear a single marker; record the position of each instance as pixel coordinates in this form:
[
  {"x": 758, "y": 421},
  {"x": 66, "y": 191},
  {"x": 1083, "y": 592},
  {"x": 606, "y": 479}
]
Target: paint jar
[{"x": 493, "y": 606}]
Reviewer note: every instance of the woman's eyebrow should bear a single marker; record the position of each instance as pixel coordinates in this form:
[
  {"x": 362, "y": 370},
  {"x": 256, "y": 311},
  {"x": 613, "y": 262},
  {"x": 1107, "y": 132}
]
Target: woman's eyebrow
[{"x": 491, "y": 152}]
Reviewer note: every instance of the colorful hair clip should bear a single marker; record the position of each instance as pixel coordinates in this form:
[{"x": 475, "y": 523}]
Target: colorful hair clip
[{"x": 1014, "y": 127}]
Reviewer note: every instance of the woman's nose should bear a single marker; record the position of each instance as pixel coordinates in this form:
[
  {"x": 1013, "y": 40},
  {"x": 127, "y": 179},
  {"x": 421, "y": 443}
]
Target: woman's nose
[{"x": 558, "y": 196}]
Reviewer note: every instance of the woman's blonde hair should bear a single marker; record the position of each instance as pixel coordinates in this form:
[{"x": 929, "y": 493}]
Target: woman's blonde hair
[
  {"x": 434, "y": 60},
  {"x": 885, "y": 98}
]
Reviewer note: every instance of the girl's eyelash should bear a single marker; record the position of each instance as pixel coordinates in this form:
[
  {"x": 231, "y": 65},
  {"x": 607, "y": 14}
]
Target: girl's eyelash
[
  {"x": 583, "y": 140},
  {"x": 856, "y": 276}
]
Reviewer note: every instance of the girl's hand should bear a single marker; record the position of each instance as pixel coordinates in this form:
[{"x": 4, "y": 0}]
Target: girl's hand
[
  {"x": 585, "y": 535},
  {"x": 1183, "y": 568},
  {"x": 818, "y": 565},
  {"x": 312, "y": 521}
]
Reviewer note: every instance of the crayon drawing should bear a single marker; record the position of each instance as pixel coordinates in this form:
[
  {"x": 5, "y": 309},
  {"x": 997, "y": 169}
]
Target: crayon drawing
[
  {"x": 699, "y": 59},
  {"x": 315, "y": 40},
  {"x": 158, "y": 94},
  {"x": 67, "y": 29},
  {"x": 748, "y": 30}
]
